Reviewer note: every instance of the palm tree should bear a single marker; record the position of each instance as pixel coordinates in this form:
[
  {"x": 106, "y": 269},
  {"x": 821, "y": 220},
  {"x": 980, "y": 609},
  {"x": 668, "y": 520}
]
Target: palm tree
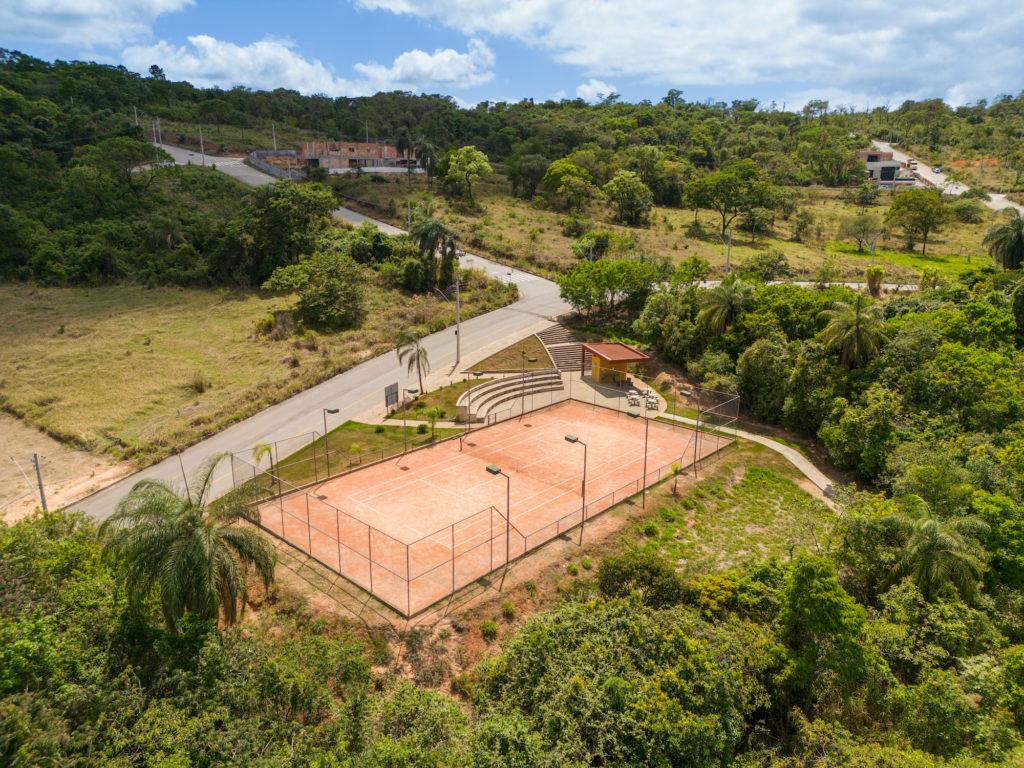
[
  {"x": 430, "y": 233},
  {"x": 939, "y": 551},
  {"x": 403, "y": 143},
  {"x": 411, "y": 352},
  {"x": 857, "y": 329},
  {"x": 724, "y": 303},
  {"x": 188, "y": 549},
  {"x": 426, "y": 154},
  {"x": 1005, "y": 242}
]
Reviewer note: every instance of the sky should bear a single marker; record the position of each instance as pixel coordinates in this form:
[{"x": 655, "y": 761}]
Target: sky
[{"x": 854, "y": 53}]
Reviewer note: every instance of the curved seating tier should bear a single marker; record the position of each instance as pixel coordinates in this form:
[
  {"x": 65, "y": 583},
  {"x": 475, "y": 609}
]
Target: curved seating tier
[{"x": 475, "y": 404}]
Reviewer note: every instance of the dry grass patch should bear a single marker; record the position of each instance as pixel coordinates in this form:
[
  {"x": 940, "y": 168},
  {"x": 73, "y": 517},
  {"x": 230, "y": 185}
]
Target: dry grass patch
[
  {"x": 140, "y": 373},
  {"x": 515, "y": 356},
  {"x": 530, "y": 237}
]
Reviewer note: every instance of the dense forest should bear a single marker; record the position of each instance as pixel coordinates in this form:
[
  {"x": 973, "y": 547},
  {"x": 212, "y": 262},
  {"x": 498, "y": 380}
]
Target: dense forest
[{"x": 897, "y": 639}]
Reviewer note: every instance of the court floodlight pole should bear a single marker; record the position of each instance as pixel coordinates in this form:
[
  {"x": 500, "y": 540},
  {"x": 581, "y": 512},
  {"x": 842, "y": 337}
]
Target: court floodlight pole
[
  {"x": 508, "y": 511},
  {"x": 643, "y": 480},
  {"x": 327, "y": 447},
  {"x": 583, "y": 486},
  {"x": 405, "y": 431}
]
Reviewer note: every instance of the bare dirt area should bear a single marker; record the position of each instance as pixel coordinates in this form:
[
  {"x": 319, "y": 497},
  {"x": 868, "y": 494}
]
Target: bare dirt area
[{"x": 67, "y": 475}]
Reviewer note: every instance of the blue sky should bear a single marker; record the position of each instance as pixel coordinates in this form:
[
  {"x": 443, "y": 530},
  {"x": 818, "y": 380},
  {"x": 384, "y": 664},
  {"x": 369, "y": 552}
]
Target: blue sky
[{"x": 857, "y": 53}]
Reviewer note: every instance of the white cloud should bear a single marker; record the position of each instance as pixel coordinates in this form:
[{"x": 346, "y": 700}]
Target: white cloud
[
  {"x": 83, "y": 22},
  {"x": 944, "y": 48},
  {"x": 594, "y": 90},
  {"x": 274, "y": 63}
]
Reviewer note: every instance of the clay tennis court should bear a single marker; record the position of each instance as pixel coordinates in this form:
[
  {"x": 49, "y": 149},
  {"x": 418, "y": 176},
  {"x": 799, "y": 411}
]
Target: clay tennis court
[{"x": 413, "y": 529}]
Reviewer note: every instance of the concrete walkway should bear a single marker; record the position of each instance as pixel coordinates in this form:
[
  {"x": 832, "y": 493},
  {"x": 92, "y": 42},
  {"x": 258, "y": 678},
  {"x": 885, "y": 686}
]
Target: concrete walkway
[{"x": 797, "y": 459}]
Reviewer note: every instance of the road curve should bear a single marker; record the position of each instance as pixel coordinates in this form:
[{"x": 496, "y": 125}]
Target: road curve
[
  {"x": 354, "y": 390},
  {"x": 940, "y": 180}
]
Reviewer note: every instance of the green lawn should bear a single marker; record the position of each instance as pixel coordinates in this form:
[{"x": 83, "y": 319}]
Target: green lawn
[
  {"x": 950, "y": 264},
  {"x": 351, "y": 445},
  {"x": 444, "y": 398},
  {"x": 725, "y": 520}
]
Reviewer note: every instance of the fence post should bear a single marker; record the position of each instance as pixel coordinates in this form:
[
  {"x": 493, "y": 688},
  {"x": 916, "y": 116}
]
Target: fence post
[
  {"x": 369, "y": 554},
  {"x": 408, "y": 584},
  {"x": 309, "y": 526},
  {"x": 337, "y": 526},
  {"x": 233, "y": 470},
  {"x": 490, "y": 540},
  {"x": 453, "y": 558},
  {"x": 316, "y": 470}
]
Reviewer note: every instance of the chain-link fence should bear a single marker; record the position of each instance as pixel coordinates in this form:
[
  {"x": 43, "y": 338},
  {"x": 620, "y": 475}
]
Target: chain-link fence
[{"x": 412, "y": 576}]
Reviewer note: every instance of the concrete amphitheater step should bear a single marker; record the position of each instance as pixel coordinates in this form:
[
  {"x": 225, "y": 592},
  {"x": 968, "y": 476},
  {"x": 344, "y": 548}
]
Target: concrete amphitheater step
[
  {"x": 557, "y": 334},
  {"x": 566, "y": 357},
  {"x": 486, "y": 396}
]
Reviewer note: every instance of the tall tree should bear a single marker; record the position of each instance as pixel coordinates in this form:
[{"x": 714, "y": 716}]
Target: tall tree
[
  {"x": 939, "y": 550},
  {"x": 1005, "y": 242},
  {"x": 412, "y": 353},
  {"x": 187, "y": 549},
  {"x": 919, "y": 212},
  {"x": 722, "y": 304},
  {"x": 856, "y": 328},
  {"x": 735, "y": 189},
  {"x": 426, "y": 155},
  {"x": 465, "y": 166},
  {"x": 631, "y": 197}
]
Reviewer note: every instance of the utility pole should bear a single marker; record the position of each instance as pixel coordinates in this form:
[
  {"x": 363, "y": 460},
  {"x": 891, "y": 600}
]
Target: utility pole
[
  {"x": 136, "y": 111},
  {"x": 458, "y": 320},
  {"x": 202, "y": 148},
  {"x": 154, "y": 130},
  {"x": 367, "y": 131},
  {"x": 159, "y": 131},
  {"x": 274, "y": 129},
  {"x": 39, "y": 479}
]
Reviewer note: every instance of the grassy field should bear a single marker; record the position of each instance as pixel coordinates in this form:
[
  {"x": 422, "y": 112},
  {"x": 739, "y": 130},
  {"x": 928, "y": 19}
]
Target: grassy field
[
  {"x": 141, "y": 373},
  {"x": 748, "y": 508},
  {"x": 351, "y": 445},
  {"x": 530, "y": 236},
  {"x": 233, "y": 139},
  {"x": 443, "y": 398},
  {"x": 512, "y": 357}
]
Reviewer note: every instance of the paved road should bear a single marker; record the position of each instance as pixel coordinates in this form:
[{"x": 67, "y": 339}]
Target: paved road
[
  {"x": 356, "y": 389},
  {"x": 940, "y": 180}
]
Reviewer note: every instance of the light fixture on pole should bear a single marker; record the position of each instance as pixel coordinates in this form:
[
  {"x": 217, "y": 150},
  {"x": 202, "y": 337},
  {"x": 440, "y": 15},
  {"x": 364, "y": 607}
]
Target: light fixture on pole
[
  {"x": 469, "y": 398},
  {"x": 583, "y": 487},
  {"x": 327, "y": 448},
  {"x": 643, "y": 480},
  {"x": 494, "y": 470},
  {"x": 405, "y": 407}
]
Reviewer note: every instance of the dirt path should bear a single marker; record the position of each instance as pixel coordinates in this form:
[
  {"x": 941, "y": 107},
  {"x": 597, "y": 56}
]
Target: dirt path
[{"x": 67, "y": 475}]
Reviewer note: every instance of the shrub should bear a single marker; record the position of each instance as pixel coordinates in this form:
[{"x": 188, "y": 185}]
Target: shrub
[
  {"x": 586, "y": 564},
  {"x": 199, "y": 382},
  {"x": 508, "y": 610},
  {"x": 575, "y": 226},
  {"x": 531, "y": 588},
  {"x": 654, "y": 579},
  {"x": 379, "y": 429},
  {"x": 650, "y": 529},
  {"x": 263, "y": 326},
  {"x": 489, "y": 631},
  {"x": 421, "y": 429},
  {"x": 875, "y": 276},
  {"x": 572, "y": 569}
]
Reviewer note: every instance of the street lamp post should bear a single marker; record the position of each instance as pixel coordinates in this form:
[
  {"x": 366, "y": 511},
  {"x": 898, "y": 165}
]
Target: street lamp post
[
  {"x": 469, "y": 399},
  {"x": 508, "y": 511},
  {"x": 583, "y": 486},
  {"x": 405, "y": 408},
  {"x": 643, "y": 481},
  {"x": 327, "y": 447}
]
